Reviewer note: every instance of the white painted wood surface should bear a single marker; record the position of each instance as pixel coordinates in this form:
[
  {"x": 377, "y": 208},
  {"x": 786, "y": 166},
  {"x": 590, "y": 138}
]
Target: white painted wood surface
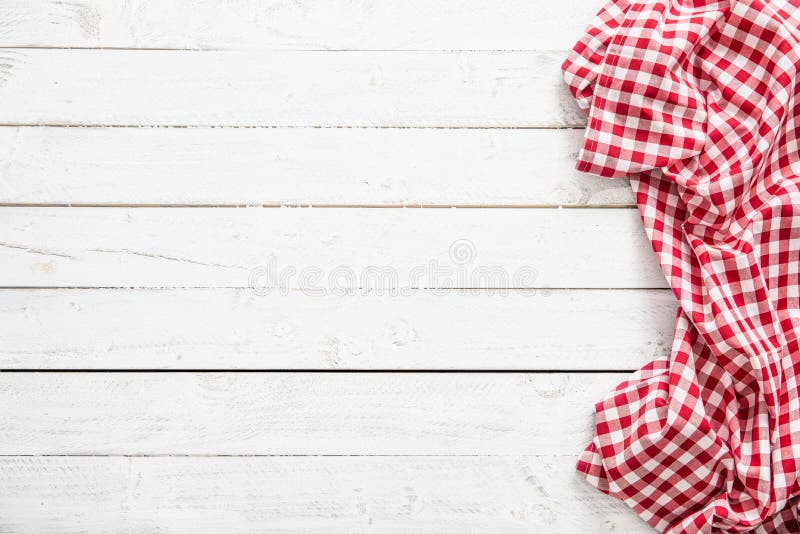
[
  {"x": 427, "y": 494},
  {"x": 326, "y": 249},
  {"x": 304, "y": 24},
  {"x": 299, "y": 166},
  {"x": 285, "y": 88},
  {"x": 358, "y": 108},
  {"x": 298, "y": 413},
  {"x": 237, "y": 329}
]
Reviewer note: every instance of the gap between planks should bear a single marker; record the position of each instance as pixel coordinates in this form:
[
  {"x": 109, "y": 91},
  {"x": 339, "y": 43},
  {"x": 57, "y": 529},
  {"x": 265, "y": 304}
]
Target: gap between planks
[
  {"x": 323, "y": 206},
  {"x": 161, "y": 455},
  {"x": 284, "y": 126},
  {"x": 324, "y": 371},
  {"x": 313, "y": 50}
]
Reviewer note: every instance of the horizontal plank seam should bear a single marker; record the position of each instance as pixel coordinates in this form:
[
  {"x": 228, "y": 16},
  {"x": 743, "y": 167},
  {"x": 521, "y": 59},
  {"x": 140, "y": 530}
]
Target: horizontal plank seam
[
  {"x": 297, "y": 127},
  {"x": 284, "y": 50},
  {"x": 130, "y": 48},
  {"x": 322, "y": 206},
  {"x": 155, "y": 455},
  {"x": 322, "y": 371},
  {"x": 361, "y": 294},
  {"x": 299, "y": 290},
  {"x": 291, "y": 126}
]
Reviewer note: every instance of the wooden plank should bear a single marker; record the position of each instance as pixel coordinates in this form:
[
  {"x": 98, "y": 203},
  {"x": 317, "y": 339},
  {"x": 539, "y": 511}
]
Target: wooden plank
[
  {"x": 235, "y": 329},
  {"x": 305, "y": 494},
  {"x": 298, "y": 413},
  {"x": 179, "y": 88},
  {"x": 305, "y": 24},
  {"x": 299, "y": 166},
  {"x": 325, "y": 250}
]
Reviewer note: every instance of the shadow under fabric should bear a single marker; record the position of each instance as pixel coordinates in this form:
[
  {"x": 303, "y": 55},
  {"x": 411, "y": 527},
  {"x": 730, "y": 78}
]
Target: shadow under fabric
[{"x": 696, "y": 102}]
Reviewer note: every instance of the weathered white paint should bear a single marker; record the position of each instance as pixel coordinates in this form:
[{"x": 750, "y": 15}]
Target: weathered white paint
[
  {"x": 325, "y": 249},
  {"x": 273, "y": 166},
  {"x": 305, "y": 24},
  {"x": 230, "y": 329},
  {"x": 163, "y": 87},
  {"x": 299, "y": 413},
  {"x": 422, "y": 494},
  {"x": 478, "y": 452}
]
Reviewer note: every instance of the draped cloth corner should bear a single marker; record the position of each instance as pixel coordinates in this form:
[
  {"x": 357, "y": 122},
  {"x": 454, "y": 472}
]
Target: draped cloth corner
[{"x": 696, "y": 103}]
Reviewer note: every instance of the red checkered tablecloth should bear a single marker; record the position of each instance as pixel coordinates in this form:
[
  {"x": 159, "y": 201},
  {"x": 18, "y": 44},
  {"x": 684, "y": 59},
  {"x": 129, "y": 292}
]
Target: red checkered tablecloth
[{"x": 696, "y": 102}]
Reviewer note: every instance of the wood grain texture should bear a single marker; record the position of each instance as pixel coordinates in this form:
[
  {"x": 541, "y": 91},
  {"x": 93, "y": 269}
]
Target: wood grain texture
[
  {"x": 236, "y": 329},
  {"x": 329, "y": 249},
  {"x": 354, "y": 107},
  {"x": 298, "y": 413},
  {"x": 299, "y": 166},
  {"x": 422, "y": 494},
  {"x": 326, "y": 89},
  {"x": 305, "y": 24}
]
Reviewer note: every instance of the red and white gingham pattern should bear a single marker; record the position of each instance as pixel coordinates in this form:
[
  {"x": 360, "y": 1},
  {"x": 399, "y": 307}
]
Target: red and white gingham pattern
[{"x": 696, "y": 102}]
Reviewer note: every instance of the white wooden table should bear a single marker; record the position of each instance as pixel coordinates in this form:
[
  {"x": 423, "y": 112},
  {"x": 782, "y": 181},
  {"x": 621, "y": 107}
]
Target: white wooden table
[{"x": 157, "y": 159}]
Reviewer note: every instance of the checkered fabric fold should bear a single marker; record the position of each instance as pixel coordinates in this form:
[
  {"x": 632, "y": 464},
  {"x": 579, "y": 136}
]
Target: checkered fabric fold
[{"x": 696, "y": 102}]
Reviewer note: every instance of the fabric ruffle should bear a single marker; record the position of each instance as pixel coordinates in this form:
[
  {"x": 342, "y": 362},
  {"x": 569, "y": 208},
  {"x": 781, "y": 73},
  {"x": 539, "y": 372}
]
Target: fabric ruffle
[{"x": 696, "y": 103}]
